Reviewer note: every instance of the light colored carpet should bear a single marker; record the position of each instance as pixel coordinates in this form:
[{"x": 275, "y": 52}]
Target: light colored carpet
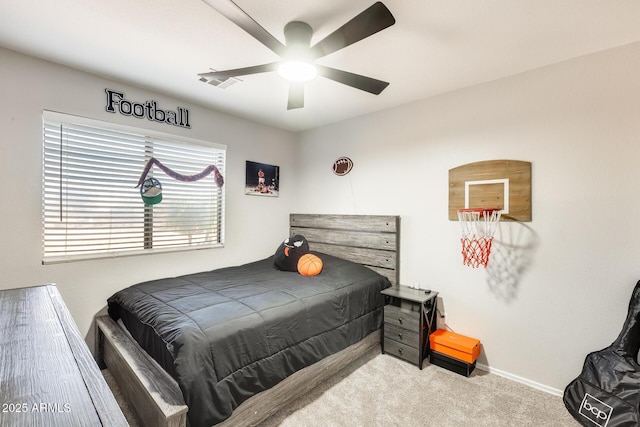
[
  {"x": 381, "y": 390},
  {"x": 386, "y": 391}
]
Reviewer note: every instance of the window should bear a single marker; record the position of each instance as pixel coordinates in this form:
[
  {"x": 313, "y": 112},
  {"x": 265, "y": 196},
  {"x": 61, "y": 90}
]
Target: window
[{"x": 92, "y": 208}]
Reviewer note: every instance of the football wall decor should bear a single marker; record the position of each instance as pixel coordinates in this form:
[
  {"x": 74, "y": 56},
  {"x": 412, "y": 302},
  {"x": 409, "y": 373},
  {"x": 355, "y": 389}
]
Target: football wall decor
[{"x": 342, "y": 166}]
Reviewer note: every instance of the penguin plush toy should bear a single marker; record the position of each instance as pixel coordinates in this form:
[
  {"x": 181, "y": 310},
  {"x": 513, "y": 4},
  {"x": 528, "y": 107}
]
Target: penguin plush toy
[{"x": 289, "y": 252}]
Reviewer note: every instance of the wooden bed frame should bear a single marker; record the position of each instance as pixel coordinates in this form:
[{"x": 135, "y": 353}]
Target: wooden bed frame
[{"x": 155, "y": 397}]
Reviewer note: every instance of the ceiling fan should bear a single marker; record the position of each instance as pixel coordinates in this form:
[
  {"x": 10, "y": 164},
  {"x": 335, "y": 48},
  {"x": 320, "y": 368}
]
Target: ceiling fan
[{"x": 297, "y": 62}]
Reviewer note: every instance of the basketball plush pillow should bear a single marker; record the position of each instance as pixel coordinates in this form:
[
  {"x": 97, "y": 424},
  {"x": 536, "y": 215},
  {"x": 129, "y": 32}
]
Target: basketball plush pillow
[{"x": 309, "y": 265}]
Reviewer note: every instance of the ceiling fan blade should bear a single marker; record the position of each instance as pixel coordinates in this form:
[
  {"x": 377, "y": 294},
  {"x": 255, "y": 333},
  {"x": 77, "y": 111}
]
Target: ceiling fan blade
[
  {"x": 239, "y": 17},
  {"x": 357, "y": 81},
  {"x": 296, "y": 95},
  {"x": 370, "y": 21},
  {"x": 225, "y": 74}
]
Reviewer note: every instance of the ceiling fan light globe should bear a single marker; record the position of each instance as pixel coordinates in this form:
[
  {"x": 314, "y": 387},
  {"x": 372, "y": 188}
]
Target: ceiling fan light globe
[{"x": 297, "y": 71}]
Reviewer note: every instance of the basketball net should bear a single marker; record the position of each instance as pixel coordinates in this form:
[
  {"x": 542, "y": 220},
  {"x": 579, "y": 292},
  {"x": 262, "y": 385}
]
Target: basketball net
[{"x": 478, "y": 227}]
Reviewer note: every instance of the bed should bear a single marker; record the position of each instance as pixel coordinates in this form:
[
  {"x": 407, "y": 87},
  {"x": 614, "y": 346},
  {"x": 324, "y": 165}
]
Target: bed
[{"x": 254, "y": 332}]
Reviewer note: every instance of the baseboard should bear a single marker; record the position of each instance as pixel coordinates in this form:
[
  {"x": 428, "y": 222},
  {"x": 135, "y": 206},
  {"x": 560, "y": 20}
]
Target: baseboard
[{"x": 521, "y": 380}]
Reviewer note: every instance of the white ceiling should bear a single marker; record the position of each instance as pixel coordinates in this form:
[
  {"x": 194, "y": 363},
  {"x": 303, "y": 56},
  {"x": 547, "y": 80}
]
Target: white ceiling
[{"x": 435, "y": 46}]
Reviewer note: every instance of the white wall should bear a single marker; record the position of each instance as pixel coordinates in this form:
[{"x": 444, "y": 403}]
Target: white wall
[
  {"x": 255, "y": 226},
  {"x": 578, "y": 122}
]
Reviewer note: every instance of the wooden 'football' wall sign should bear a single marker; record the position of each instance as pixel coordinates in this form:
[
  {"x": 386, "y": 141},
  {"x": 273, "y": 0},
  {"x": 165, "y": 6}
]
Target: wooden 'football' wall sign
[{"x": 504, "y": 184}]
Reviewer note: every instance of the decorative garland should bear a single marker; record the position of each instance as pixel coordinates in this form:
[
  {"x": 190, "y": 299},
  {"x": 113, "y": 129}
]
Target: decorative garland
[{"x": 219, "y": 179}]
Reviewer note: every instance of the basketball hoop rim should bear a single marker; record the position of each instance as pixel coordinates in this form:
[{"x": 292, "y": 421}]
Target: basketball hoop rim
[{"x": 480, "y": 210}]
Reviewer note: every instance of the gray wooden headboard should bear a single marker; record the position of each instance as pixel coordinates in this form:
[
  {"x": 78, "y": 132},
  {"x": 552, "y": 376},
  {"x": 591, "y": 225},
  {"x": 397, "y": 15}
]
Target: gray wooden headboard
[{"x": 372, "y": 240}]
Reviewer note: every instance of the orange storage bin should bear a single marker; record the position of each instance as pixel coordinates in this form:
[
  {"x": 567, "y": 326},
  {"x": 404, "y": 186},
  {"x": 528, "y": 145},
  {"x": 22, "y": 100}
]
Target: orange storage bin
[{"x": 455, "y": 345}]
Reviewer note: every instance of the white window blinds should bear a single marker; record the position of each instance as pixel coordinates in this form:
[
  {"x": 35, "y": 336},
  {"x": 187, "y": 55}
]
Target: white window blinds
[{"x": 92, "y": 208}]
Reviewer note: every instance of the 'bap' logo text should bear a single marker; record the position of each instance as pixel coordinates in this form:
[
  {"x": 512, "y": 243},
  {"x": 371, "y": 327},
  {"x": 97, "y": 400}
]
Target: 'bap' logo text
[{"x": 595, "y": 410}]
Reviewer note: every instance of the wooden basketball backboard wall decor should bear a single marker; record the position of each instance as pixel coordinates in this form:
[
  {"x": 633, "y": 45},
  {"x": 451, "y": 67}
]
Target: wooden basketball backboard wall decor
[{"x": 504, "y": 184}]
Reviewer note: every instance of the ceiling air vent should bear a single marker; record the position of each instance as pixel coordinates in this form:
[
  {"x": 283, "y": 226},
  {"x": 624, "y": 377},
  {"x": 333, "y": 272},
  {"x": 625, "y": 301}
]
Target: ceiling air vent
[{"x": 222, "y": 83}]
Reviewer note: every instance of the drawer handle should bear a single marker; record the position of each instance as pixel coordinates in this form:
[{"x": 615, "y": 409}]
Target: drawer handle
[
  {"x": 400, "y": 336},
  {"x": 400, "y": 321},
  {"x": 400, "y": 350}
]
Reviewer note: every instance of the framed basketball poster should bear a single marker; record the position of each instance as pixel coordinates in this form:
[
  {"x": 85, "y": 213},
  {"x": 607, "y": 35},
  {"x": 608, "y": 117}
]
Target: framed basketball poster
[{"x": 262, "y": 179}]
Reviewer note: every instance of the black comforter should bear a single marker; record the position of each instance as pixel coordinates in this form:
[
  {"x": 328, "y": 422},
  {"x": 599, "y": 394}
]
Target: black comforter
[{"x": 227, "y": 334}]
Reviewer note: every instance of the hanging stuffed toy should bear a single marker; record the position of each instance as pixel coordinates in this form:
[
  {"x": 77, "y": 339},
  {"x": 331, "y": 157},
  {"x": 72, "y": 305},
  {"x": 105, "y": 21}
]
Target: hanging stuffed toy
[
  {"x": 151, "y": 190},
  {"x": 289, "y": 252}
]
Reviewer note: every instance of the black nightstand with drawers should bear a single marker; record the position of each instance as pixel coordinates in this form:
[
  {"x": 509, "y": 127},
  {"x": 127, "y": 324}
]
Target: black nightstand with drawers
[{"x": 409, "y": 319}]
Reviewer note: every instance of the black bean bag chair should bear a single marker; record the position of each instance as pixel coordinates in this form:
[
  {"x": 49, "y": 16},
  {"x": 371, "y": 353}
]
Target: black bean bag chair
[{"x": 607, "y": 392}]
